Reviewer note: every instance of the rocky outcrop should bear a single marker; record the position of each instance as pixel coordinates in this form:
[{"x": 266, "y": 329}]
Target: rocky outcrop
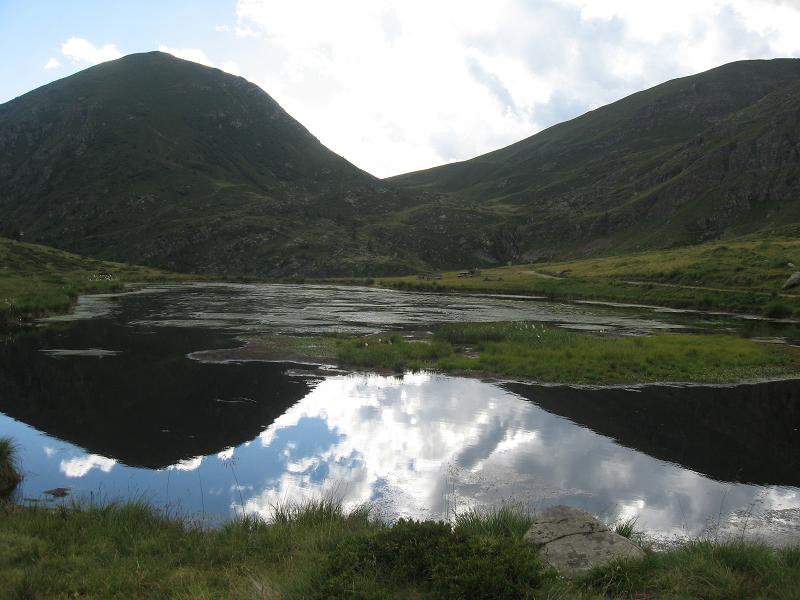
[
  {"x": 573, "y": 541},
  {"x": 793, "y": 281}
]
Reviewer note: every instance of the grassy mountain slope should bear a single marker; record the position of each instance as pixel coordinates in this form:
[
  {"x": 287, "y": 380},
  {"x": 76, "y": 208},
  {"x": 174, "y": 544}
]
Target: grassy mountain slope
[
  {"x": 154, "y": 160},
  {"x": 157, "y": 160},
  {"x": 697, "y": 158},
  {"x": 36, "y": 279},
  {"x": 742, "y": 275}
]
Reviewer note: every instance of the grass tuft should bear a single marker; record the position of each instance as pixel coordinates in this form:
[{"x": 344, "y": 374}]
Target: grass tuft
[
  {"x": 10, "y": 473},
  {"x": 317, "y": 512},
  {"x": 509, "y": 520}
]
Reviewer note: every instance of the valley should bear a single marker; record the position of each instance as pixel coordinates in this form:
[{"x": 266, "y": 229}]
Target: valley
[{"x": 234, "y": 364}]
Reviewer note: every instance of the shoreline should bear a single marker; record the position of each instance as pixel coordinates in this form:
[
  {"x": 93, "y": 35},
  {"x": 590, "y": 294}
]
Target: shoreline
[{"x": 318, "y": 549}]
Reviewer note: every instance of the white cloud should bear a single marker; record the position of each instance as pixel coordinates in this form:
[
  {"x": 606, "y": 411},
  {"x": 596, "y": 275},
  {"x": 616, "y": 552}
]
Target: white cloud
[
  {"x": 189, "y": 464},
  {"x": 192, "y": 54},
  {"x": 226, "y": 454},
  {"x": 81, "y": 465},
  {"x": 198, "y": 56},
  {"x": 243, "y": 31},
  {"x": 396, "y": 86},
  {"x": 52, "y": 64},
  {"x": 221, "y": 28},
  {"x": 80, "y": 50},
  {"x": 231, "y": 67}
]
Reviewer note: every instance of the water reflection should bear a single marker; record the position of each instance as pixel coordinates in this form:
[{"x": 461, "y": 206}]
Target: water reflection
[
  {"x": 313, "y": 309},
  {"x": 415, "y": 445},
  {"x": 147, "y": 405},
  {"x": 79, "y": 466},
  {"x": 112, "y": 406},
  {"x": 747, "y": 433}
]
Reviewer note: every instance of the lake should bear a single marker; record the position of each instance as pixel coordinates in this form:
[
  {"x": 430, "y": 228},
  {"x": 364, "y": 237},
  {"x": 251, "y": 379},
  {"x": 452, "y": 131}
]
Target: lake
[{"x": 109, "y": 403}]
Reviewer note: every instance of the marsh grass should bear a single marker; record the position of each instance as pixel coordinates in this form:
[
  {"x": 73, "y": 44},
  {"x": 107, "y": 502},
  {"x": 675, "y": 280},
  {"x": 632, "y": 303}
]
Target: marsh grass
[
  {"x": 10, "y": 471},
  {"x": 551, "y": 354}
]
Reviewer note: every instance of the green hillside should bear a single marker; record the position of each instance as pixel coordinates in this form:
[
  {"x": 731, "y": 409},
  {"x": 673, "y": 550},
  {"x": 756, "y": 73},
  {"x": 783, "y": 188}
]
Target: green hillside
[
  {"x": 743, "y": 275},
  {"x": 704, "y": 157},
  {"x": 156, "y": 160},
  {"x": 36, "y": 279},
  {"x": 153, "y": 160}
]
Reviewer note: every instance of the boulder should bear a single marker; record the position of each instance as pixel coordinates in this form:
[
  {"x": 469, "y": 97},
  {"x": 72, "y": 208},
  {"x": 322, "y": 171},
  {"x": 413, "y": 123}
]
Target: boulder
[
  {"x": 573, "y": 541},
  {"x": 793, "y": 281}
]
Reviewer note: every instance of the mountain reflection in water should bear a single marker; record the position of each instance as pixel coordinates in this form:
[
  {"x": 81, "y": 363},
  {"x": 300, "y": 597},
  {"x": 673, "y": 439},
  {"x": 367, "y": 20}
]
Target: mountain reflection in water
[
  {"x": 147, "y": 406},
  {"x": 112, "y": 406}
]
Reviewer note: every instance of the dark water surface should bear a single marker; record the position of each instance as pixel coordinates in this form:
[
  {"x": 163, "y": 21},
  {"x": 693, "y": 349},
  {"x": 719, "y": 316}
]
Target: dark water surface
[{"x": 110, "y": 406}]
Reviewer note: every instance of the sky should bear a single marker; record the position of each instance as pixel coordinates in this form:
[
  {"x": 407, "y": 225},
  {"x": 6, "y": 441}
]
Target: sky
[{"x": 400, "y": 85}]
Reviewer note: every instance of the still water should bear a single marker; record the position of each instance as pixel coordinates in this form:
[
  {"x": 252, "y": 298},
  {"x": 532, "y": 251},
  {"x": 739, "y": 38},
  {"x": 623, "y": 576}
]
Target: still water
[{"x": 109, "y": 404}]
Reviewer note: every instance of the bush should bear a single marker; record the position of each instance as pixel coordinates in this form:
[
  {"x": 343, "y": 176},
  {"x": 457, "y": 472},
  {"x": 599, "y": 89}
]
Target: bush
[{"x": 431, "y": 555}]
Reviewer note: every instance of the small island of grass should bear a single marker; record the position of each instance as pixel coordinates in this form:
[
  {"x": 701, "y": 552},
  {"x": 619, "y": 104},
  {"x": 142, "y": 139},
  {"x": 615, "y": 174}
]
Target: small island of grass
[{"x": 544, "y": 354}]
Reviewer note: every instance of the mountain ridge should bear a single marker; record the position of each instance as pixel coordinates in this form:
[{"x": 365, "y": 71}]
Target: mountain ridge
[
  {"x": 597, "y": 183},
  {"x": 141, "y": 159},
  {"x": 154, "y": 160}
]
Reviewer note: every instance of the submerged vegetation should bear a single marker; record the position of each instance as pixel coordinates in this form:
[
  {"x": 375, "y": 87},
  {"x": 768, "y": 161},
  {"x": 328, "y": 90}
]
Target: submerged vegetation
[
  {"x": 555, "y": 355},
  {"x": 743, "y": 276},
  {"x": 10, "y": 475},
  {"x": 320, "y": 550},
  {"x": 36, "y": 280}
]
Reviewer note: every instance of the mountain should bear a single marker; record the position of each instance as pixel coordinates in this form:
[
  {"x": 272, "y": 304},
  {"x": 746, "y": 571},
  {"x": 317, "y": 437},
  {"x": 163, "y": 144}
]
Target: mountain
[
  {"x": 156, "y": 160},
  {"x": 702, "y": 157}
]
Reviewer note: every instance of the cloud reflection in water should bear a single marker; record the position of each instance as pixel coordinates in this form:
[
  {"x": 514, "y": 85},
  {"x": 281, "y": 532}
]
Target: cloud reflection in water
[
  {"x": 407, "y": 443},
  {"x": 79, "y": 466}
]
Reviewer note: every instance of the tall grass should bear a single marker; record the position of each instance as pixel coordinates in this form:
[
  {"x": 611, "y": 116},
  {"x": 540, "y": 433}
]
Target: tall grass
[
  {"x": 10, "y": 474},
  {"x": 318, "y": 512},
  {"x": 509, "y": 520}
]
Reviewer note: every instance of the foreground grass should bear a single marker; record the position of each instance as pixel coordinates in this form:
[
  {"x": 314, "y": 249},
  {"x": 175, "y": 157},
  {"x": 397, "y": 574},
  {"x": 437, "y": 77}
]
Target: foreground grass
[
  {"x": 320, "y": 551},
  {"x": 550, "y": 354},
  {"x": 743, "y": 276},
  {"x": 36, "y": 280}
]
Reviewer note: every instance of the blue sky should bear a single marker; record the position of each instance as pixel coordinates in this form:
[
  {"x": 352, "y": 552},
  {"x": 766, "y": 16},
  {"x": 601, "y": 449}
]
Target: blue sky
[{"x": 399, "y": 85}]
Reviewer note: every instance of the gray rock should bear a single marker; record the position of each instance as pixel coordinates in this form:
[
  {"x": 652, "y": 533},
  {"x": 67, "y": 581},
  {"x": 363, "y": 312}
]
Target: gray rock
[
  {"x": 573, "y": 541},
  {"x": 559, "y": 522},
  {"x": 793, "y": 281}
]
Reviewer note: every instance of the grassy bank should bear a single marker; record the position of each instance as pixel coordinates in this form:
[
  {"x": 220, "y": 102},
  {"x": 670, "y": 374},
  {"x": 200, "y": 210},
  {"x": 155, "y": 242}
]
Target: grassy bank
[
  {"x": 551, "y": 354},
  {"x": 321, "y": 551},
  {"x": 10, "y": 475},
  {"x": 743, "y": 276},
  {"x": 36, "y": 280}
]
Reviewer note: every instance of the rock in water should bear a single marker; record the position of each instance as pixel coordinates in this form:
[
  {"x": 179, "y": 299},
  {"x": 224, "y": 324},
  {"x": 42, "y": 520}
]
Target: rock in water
[
  {"x": 573, "y": 541},
  {"x": 793, "y": 281}
]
